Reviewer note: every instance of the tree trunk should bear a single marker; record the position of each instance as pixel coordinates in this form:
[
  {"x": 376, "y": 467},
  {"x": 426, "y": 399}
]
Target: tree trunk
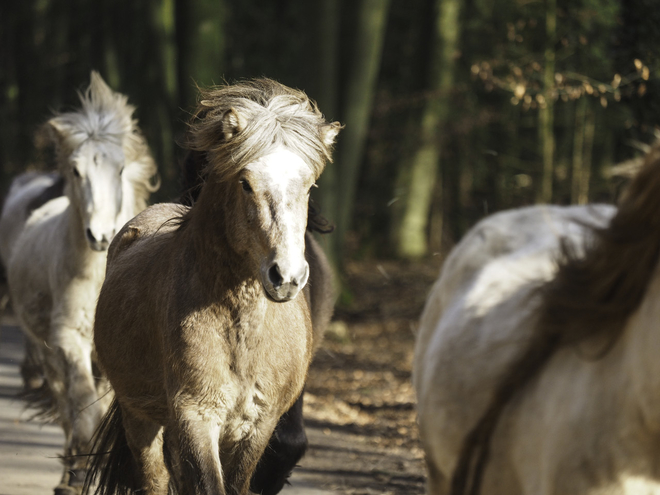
[
  {"x": 585, "y": 176},
  {"x": 357, "y": 108},
  {"x": 546, "y": 111},
  {"x": 200, "y": 46},
  {"x": 578, "y": 150},
  {"x": 326, "y": 85},
  {"x": 424, "y": 177}
]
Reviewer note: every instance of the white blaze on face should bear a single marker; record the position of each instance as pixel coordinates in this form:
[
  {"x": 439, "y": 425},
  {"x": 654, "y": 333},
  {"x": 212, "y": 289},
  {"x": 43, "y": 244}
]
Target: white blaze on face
[
  {"x": 97, "y": 170},
  {"x": 281, "y": 182}
]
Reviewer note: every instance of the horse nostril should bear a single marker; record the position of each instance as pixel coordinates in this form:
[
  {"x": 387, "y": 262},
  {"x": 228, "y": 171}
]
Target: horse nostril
[
  {"x": 274, "y": 276},
  {"x": 90, "y": 236}
]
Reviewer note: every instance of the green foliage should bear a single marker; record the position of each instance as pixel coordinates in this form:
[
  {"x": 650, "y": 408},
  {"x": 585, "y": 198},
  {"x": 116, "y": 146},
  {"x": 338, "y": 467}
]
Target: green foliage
[{"x": 603, "y": 94}]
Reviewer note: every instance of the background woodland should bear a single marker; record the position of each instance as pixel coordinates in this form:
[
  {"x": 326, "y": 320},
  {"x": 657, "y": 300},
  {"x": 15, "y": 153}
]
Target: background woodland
[{"x": 453, "y": 109}]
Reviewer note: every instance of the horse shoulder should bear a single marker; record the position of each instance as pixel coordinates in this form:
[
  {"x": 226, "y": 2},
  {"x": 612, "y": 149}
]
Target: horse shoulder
[{"x": 157, "y": 219}]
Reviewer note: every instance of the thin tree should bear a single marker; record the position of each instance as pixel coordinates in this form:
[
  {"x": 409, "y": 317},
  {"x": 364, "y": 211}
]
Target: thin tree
[
  {"x": 423, "y": 170},
  {"x": 357, "y": 109},
  {"x": 546, "y": 104}
]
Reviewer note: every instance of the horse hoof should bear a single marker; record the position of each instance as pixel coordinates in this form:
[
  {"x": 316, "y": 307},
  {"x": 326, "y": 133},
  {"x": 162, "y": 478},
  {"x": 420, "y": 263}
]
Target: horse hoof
[
  {"x": 68, "y": 490},
  {"x": 77, "y": 478}
]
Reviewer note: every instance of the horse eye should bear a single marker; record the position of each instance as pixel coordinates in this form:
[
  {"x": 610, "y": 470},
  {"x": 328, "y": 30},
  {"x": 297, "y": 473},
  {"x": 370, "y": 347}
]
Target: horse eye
[
  {"x": 246, "y": 186},
  {"x": 121, "y": 170},
  {"x": 76, "y": 172}
]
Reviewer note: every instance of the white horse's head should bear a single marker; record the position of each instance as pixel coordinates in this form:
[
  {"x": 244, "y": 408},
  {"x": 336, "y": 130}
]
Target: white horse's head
[
  {"x": 95, "y": 188},
  {"x": 93, "y": 144}
]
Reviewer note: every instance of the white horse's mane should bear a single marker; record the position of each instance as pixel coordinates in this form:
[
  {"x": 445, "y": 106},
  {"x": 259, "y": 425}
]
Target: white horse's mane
[{"x": 107, "y": 116}]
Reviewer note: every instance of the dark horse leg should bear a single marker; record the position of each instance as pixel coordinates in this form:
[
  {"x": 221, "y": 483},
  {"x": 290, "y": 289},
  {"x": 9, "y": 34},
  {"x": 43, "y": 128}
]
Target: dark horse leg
[{"x": 285, "y": 448}]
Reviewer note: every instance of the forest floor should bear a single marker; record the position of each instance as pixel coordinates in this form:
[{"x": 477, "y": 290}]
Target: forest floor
[
  {"x": 359, "y": 393},
  {"x": 359, "y": 401}
]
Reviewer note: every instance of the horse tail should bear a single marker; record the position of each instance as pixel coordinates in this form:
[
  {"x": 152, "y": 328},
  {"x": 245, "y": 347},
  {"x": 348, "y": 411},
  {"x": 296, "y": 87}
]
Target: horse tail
[{"x": 111, "y": 463}]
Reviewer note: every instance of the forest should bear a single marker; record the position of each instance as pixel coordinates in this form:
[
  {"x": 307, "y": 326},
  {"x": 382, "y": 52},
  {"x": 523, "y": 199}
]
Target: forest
[{"x": 453, "y": 109}]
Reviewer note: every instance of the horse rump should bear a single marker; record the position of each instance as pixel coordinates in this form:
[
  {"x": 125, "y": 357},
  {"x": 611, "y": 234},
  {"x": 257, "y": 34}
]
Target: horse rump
[{"x": 111, "y": 463}]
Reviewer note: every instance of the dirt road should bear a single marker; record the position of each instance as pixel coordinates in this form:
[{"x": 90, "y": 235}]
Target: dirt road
[{"x": 359, "y": 404}]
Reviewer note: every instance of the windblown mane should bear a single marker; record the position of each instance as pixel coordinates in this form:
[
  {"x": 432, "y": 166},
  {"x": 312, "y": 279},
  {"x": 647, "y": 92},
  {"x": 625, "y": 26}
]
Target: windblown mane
[
  {"x": 592, "y": 294},
  {"x": 273, "y": 115},
  {"x": 107, "y": 116}
]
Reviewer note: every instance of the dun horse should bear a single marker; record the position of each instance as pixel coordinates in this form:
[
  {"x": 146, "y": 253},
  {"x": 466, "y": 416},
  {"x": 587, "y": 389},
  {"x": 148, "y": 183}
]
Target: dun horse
[
  {"x": 289, "y": 442},
  {"x": 56, "y": 259},
  {"x": 537, "y": 367},
  {"x": 198, "y": 326}
]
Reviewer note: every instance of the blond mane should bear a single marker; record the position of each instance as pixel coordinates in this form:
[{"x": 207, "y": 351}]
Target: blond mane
[
  {"x": 269, "y": 114},
  {"x": 106, "y": 116}
]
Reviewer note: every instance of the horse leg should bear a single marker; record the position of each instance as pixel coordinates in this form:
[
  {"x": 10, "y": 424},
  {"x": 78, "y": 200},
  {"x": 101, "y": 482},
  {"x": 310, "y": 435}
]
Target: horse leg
[
  {"x": 31, "y": 368},
  {"x": 243, "y": 462},
  {"x": 436, "y": 484},
  {"x": 145, "y": 439},
  {"x": 193, "y": 453},
  {"x": 55, "y": 379},
  {"x": 70, "y": 359},
  {"x": 285, "y": 448}
]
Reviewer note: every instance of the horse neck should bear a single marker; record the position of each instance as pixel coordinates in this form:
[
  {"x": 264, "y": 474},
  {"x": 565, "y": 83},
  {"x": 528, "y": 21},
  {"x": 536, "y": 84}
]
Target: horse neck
[{"x": 642, "y": 339}]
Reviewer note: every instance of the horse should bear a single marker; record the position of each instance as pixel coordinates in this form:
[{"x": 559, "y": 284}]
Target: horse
[
  {"x": 27, "y": 192},
  {"x": 535, "y": 362},
  {"x": 56, "y": 258},
  {"x": 289, "y": 441},
  {"x": 199, "y": 327}
]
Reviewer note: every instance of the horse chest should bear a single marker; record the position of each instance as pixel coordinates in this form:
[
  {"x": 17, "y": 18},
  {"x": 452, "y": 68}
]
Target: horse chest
[{"x": 242, "y": 420}]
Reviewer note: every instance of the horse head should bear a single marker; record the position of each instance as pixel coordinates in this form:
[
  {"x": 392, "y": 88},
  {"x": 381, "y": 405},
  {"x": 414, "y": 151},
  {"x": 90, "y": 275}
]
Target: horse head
[
  {"x": 267, "y": 154},
  {"x": 93, "y": 145}
]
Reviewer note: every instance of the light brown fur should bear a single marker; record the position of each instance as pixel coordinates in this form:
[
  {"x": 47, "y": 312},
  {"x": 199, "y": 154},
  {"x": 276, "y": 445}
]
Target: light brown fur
[{"x": 202, "y": 361}]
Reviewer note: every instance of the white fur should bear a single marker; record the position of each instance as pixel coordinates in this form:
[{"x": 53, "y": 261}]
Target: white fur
[
  {"x": 14, "y": 211},
  {"x": 55, "y": 271},
  {"x": 584, "y": 425},
  {"x": 280, "y": 175}
]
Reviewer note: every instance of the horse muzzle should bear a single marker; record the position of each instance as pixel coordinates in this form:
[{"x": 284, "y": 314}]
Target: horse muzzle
[
  {"x": 283, "y": 285},
  {"x": 97, "y": 244}
]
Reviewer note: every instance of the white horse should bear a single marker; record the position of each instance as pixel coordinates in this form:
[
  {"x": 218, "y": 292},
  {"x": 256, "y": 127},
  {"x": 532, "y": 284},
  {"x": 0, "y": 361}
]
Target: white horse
[
  {"x": 56, "y": 264},
  {"x": 536, "y": 364}
]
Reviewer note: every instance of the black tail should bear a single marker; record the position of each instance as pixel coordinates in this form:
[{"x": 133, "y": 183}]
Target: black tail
[{"x": 111, "y": 464}]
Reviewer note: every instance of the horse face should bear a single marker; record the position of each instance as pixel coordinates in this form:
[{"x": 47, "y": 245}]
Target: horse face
[
  {"x": 274, "y": 193},
  {"x": 96, "y": 187}
]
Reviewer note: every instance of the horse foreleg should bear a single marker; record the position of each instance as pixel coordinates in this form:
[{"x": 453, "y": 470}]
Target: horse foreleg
[
  {"x": 69, "y": 370},
  {"x": 194, "y": 456},
  {"x": 31, "y": 368},
  {"x": 286, "y": 447},
  {"x": 242, "y": 464},
  {"x": 145, "y": 439}
]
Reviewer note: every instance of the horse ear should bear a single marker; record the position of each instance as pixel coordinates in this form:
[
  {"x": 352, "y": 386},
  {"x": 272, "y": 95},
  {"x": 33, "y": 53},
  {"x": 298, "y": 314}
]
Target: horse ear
[
  {"x": 329, "y": 133},
  {"x": 59, "y": 128},
  {"x": 232, "y": 123}
]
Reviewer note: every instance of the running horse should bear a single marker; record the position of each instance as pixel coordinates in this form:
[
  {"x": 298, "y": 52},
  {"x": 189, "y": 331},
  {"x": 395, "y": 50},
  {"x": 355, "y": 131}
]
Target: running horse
[
  {"x": 200, "y": 327},
  {"x": 55, "y": 248},
  {"x": 536, "y": 364},
  {"x": 288, "y": 443}
]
